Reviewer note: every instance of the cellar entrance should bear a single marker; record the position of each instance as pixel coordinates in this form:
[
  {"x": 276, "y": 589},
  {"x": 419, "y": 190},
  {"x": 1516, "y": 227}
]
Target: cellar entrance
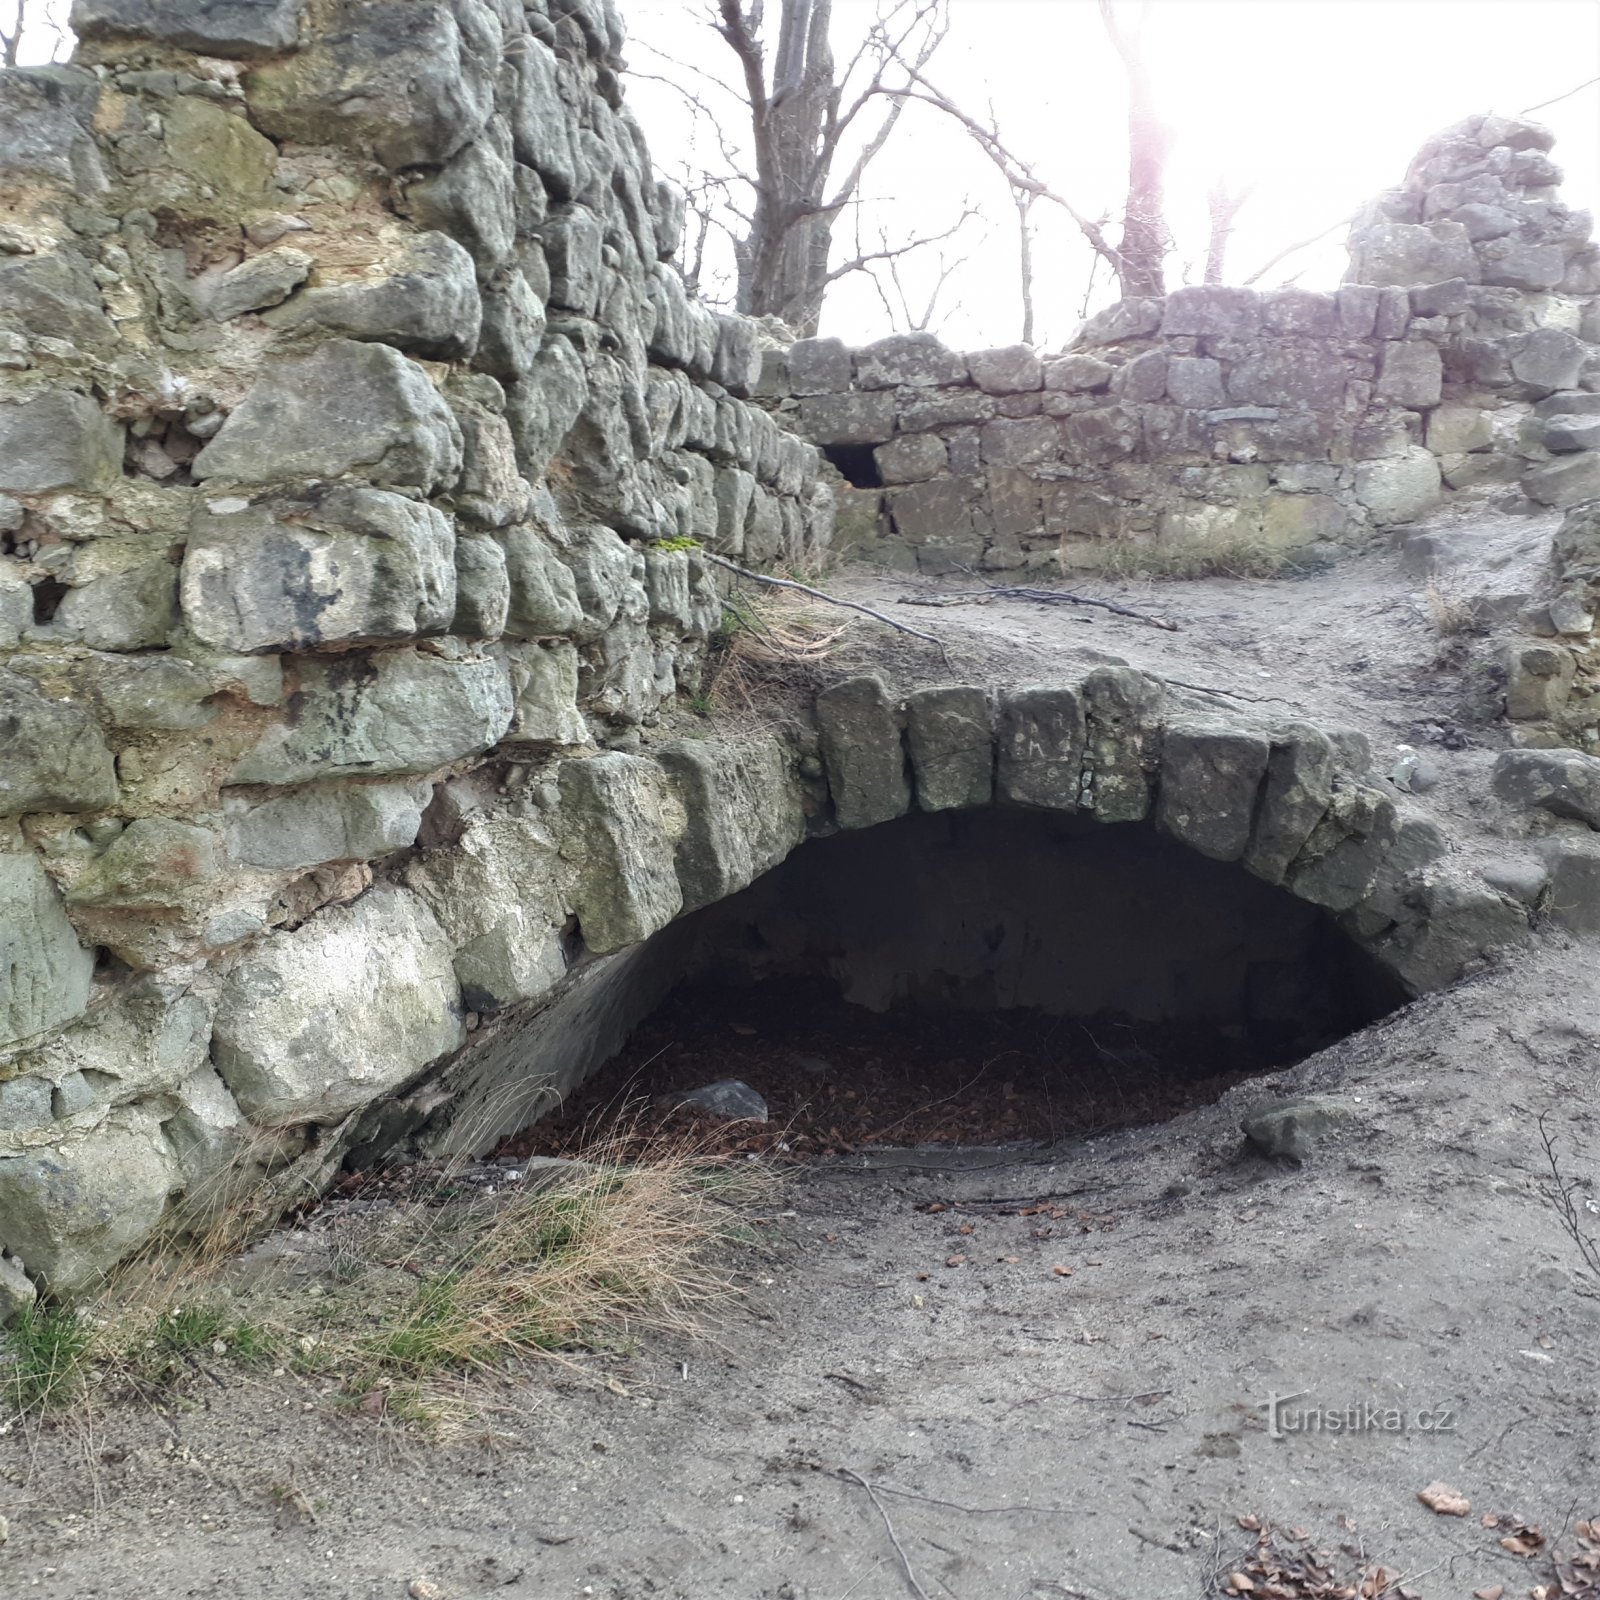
[{"x": 976, "y": 977}]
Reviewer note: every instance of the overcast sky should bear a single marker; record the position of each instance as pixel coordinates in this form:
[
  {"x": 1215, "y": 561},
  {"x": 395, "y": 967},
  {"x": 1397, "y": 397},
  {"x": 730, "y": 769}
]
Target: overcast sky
[{"x": 1319, "y": 103}]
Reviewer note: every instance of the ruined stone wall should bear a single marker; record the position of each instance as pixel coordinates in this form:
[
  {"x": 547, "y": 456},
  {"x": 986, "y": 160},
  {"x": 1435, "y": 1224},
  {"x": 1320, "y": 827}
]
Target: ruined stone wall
[
  {"x": 354, "y": 430},
  {"x": 1227, "y": 418}
]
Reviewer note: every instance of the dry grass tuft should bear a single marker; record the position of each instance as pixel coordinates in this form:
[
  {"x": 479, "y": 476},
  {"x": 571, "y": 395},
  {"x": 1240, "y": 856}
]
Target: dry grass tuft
[
  {"x": 767, "y": 640},
  {"x": 1450, "y": 613},
  {"x": 1241, "y": 557}
]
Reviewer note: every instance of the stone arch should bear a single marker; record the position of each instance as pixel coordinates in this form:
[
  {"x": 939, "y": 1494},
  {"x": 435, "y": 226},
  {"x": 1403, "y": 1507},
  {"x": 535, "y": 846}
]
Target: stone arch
[{"x": 662, "y": 836}]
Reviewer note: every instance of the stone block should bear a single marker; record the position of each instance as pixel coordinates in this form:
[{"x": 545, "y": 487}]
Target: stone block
[
  {"x": 394, "y": 712},
  {"x": 819, "y": 366},
  {"x": 620, "y": 823},
  {"x": 1566, "y": 783},
  {"x": 848, "y": 418},
  {"x": 259, "y": 282},
  {"x": 1347, "y": 849},
  {"x": 53, "y": 756},
  {"x": 1571, "y": 897},
  {"x": 1565, "y": 435},
  {"x": 1399, "y": 488},
  {"x": 1567, "y": 481},
  {"x": 1411, "y": 373},
  {"x": 1105, "y": 434},
  {"x": 863, "y": 752},
  {"x": 1122, "y": 739},
  {"x": 1309, "y": 375},
  {"x": 950, "y": 733},
  {"x": 1210, "y": 776},
  {"x": 1299, "y": 787},
  {"x": 912, "y": 458},
  {"x": 544, "y": 694},
  {"x": 57, "y": 440},
  {"x": 346, "y": 407},
  {"x": 1458, "y": 429},
  {"x": 44, "y": 972},
  {"x": 1021, "y": 441},
  {"x": 288, "y": 573},
  {"x": 1014, "y": 369},
  {"x": 1077, "y": 374},
  {"x": 356, "y": 823},
  {"x": 1142, "y": 380},
  {"x": 1410, "y": 255},
  {"x": 1520, "y": 264},
  {"x": 1547, "y": 359},
  {"x": 233, "y": 29},
  {"x": 909, "y": 360},
  {"x": 1195, "y": 381},
  {"x": 1127, "y": 319},
  {"x": 345, "y": 1009},
  {"x": 1039, "y": 747},
  {"x": 543, "y": 589},
  {"x": 1357, "y": 309},
  {"x": 1447, "y": 299},
  {"x": 1300, "y": 311},
  {"x": 1211, "y": 309}
]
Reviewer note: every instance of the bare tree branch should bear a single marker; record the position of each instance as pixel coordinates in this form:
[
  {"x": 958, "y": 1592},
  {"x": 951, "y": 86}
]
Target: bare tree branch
[
  {"x": 1299, "y": 244},
  {"x": 1588, "y": 83},
  {"x": 1223, "y": 205}
]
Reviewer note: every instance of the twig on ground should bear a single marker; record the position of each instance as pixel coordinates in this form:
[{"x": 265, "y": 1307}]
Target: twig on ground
[
  {"x": 1088, "y": 1399},
  {"x": 830, "y": 599},
  {"x": 1046, "y": 597},
  {"x": 888, "y": 1527},
  {"x": 956, "y": 1505},
  {"x": 1559, "y": 1193},
  {"x": 1231, "y": 694}
]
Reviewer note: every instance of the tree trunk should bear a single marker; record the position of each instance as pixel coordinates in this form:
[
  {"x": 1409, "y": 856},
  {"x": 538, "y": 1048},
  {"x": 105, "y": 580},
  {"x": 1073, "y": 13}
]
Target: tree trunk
[
  {"x": 1025, "y": 258},
  {"x": 1145, "y": 240},
  {"x": 783, "y": 267}
]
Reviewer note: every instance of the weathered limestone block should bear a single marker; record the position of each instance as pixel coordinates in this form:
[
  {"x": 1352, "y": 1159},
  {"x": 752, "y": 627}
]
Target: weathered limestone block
[
  {"x": 348, "y": 1007},
  {"x": 124, "y": 596},
  {"x": 544, "y": 688},
  {"x": 1127, "y": 319},
  {"x": 1023, "y": 441},
  {"x": 1105, "y": 434},
  {"x": 345, "y": 408},
  {"x": 1210, "y": 776},
  {"x": 52, "y": 754},
  {"x": 1448, "y": 299},
  {"x": 46, "y": 121},
  {"x": 1143, "y": 380},
  {"x": 396, "y": 711},
  {"x": 57, "y": 440},
  {"x": 496, "y": 893},
  {"x": 1565, "y": 435},
  {"x": 239, "y": 29},
  {"x": 1458, "y": 429},
  {"x": 950, "y": 734},
  {"x": 544, "y": 598},
  {"x": 409, "y": 82},
  {"x": 542, "y": 131},
  {"x": 1210, "y": 309},
  {"x": 491, "y": 492},
  {"x": 1299, "y": 787},
  {"x": 939, "y": 520},
  {"x": 819, "y": 366},
  {"x": 1039, "y": 747},
  {"x": 573, "y": 240},
  {"x": 155, "y": 864},
  {"x": 912, "y": 458},
  {"x": 473, "y": 199},
  {"x": 1308, "y": 375},
  {"x": 292, "y": 572},
  {"x": 356, "y": 823},
  {"x": 1571, "y": 897},
  {"x": 1346, "y": 851},
  {"x": 71, "y": 1212},
  {"x": 737, "y": 363},
  {"x": 862, "y": 750},
  {"x": 512, "y": 333},
  {"x": 1122, "y": 742},
  {"x": 1300, "y": 311},
  {"x": 1077, "y": 374},
  {"x": 1566, "y": 783},
  {"x": 848, "y": 418},
  {"x": 620, "y": 823},
  {"x": 1449, "y": 925},
  {"x": 1195, "y": 381},
  {"x": 914, "y": 360},
  {"x": 1538, "y": 680},
  {"x": 1015, "y": 369},
  {"x": 425, "y": 301},
  {"x": 1520, "y": 264},
  {"x": 1399, "y": 488},
  {"x": 1406, "y": 255},
  {"x": 1411, "y": 374},
  {"x": 742, "y": 810},
  {"x": 54, "y": 297},
  {"x": 44, "y": 971},
  {"x": 259, "y": 283},
  {"x": 1569, "y": 481},
  {"x": 1547, "y": 359},
  {"x": 543, "y": 406},
  {"x": 608, "y": 581}
]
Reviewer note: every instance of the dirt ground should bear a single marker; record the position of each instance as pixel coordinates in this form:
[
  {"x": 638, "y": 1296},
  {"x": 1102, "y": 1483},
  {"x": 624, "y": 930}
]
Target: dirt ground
[{"x": 1055, "y": 1365}]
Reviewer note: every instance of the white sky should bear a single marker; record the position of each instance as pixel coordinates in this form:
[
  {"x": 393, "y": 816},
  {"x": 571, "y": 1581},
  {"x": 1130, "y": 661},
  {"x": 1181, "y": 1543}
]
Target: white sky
[{"x": 1319, "y": 103}]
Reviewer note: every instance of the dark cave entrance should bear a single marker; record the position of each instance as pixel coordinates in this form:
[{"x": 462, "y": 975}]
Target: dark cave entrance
[
  {"x": 975, "y": 977},
  {"x": 857, "y": 464}
]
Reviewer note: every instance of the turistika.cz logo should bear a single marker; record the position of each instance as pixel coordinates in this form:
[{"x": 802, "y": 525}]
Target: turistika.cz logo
[{"x": 1286, "y": 1418}]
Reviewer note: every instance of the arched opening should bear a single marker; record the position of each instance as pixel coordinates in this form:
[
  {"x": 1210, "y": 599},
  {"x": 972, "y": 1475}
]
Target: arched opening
[{"x": 981, "y": 974}]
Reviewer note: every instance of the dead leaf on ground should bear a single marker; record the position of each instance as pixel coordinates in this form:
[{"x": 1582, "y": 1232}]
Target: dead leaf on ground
[
  {"x": 1445, "y": 1501},
  {"x": 1496, "y": 1593}
]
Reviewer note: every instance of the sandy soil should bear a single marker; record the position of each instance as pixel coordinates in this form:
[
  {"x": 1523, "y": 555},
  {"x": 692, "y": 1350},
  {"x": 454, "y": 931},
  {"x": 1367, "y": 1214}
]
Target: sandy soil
[{"x": 1084, "y": 1397}]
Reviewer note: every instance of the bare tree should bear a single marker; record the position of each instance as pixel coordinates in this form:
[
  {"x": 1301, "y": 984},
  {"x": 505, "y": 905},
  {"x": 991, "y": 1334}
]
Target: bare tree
[
  {"x": 1223, "y": 205},
  {"x": 1146, "y": 239},
  {"x": 39, "y": 26},
  {"x": 813, "y": 131}
]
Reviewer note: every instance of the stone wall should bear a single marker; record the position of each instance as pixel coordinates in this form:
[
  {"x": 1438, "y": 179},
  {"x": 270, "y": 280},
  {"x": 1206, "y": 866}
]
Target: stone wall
[
  {"x": 1227, "y": 418},
  {"x": 357, "y": 435}
]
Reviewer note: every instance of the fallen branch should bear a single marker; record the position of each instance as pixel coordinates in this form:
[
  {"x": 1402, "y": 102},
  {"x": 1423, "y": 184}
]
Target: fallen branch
[
  {"x": 831, "y": 599},
  {"x": 1044, "y": 597},
  {"x": 1087, "y": 1399},
  {"x": 956, "y": 1505},
  {"x": 888, "y": 1526}
]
